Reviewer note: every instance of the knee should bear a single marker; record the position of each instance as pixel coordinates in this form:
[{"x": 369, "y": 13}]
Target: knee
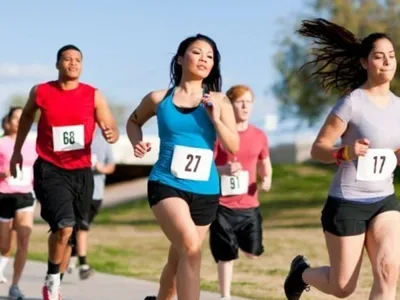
[
  {"x": 343, "y": 289},
  {"x": 387, "y": 272},
  {"x": 23, "y": 241},
  {"x": 191, "y": 249},
  {"x": 5, "y": 248},
  {"x": 64, "y": 234}
]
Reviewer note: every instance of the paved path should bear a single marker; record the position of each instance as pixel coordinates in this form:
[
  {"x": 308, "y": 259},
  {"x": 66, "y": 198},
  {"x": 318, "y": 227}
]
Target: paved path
[{"x": 100, "y": 286}]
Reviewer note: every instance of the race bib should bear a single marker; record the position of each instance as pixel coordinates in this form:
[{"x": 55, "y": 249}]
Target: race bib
[
  {"x": 24, "y": 177},
  {"x": 235, "y": 185},
  {"x": 68, "y": 138},
  {"x": 376, "y": 165},
  {"x": 191, "y": 163}
]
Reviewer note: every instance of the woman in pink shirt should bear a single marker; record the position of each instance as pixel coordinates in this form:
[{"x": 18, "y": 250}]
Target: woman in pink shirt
[{"x": 17, "y": 201}]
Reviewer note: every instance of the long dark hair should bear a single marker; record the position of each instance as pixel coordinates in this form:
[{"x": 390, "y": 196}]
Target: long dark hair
[
  {"x": 12, "y": 110},
  {"x": 214, "y": 80},
  {"x": 338, "y": 54}
]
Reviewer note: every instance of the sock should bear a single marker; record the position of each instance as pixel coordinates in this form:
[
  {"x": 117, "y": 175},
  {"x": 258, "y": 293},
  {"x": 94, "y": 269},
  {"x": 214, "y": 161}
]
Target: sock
[
  {"x": 226, "y": 298},
  {"x": 82, "y": 260},
  {"x": 3, "y": 263},
  {"x": 53, "y": 268}
]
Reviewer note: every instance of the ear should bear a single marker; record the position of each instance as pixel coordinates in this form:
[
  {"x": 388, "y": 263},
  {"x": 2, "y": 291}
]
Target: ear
[
  {"x": 364, "y": 63},
  {"x": 179, "y": 60},
  {"x": 57, "y": 66}
]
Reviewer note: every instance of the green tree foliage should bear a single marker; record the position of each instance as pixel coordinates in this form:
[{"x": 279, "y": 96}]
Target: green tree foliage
[{"x": 304, "y": 98}]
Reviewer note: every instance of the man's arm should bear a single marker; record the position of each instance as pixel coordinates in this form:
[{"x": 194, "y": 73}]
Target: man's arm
[
  {"x": 26, "y": 120},
  {"x": 105, "y": 119}
]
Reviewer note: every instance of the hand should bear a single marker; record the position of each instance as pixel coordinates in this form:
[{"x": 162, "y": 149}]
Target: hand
[
  {"x": 5, "y": 174},
  {"x": 213, "y": 108},
  {"x": 108, "y": 133},
  {"x": 266, "y": 184},
  {"x": 99, "y": 167},
  {"x": 16, "y": 158},
  {"x": 232, "y": 168},
  {"x": 359, "y": 148},
  {"x": 142, "y": 148}
]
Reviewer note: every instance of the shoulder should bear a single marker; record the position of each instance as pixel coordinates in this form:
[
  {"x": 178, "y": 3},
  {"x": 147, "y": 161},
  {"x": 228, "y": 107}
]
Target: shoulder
[
  {"x": 156, "y": 96},
  {"x": 221, "y": 97}
]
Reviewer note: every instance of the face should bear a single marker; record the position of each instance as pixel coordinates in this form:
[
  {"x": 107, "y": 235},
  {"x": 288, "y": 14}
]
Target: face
[
  {"x": 242, "y": 107},
  {"x": 198, "y": 59},
  {"x": 13, "y": 122},
  {"x": 381, "y": 63},
  {"x": 70, "y": 64}
]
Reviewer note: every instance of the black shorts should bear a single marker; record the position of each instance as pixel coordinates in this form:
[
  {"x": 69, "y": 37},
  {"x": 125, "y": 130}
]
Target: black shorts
[
  {"x": 234, "y": 229},
  {"x": 203, "y": 208},
  {"x": 94, "y": 209},
  {"x": 346, "y": 218},
  {"x": 65, "y": 195},
  {"x": 12, "y": 203}
]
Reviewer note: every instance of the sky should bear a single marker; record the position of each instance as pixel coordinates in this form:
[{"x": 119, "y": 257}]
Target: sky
[{"x": 128, "y": 45}]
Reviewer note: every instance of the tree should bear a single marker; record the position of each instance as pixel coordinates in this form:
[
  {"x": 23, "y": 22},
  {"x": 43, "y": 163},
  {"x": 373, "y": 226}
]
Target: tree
[{"x": 296, "y": 93}]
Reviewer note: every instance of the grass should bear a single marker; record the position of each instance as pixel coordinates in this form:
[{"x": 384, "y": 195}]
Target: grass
[{"x": 126, "y": 240}]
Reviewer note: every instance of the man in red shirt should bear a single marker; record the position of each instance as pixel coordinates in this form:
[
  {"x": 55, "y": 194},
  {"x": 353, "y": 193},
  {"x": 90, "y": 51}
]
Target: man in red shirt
[
  {"x": 63, "y": 179},
  {"x": 239, "y": 220}
]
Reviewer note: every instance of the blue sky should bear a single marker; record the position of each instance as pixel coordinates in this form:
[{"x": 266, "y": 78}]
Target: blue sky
[{"x": 127, "y": 46}]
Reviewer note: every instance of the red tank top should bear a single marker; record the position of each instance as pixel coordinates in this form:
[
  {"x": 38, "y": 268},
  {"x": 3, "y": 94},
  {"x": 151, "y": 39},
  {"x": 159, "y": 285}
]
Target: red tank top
[{"x": 66, "y": 125}]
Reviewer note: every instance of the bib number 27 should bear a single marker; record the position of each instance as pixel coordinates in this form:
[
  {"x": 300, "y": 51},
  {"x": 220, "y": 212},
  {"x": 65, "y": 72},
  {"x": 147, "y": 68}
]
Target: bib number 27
[{"x": 193, "y": 162}]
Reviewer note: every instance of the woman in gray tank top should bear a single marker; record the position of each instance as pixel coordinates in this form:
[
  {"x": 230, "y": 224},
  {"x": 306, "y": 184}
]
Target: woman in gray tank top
[{"x": 361, "y": 209}]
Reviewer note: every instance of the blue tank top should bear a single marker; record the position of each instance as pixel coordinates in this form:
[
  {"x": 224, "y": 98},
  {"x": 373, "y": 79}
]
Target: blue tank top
[{"x": 192, "y": 128}]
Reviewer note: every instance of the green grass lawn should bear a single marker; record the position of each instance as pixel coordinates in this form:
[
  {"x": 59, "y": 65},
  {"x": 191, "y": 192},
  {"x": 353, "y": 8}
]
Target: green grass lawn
[{"x": 126, "y": 240}]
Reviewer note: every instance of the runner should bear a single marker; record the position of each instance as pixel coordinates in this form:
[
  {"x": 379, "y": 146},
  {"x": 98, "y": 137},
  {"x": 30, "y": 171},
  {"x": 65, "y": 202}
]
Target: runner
[
  {"x": 361, "y": 209},
  {"x": 102, "y": 164},
  {"x": 6, "y": 250},
  {"x": 183, "y": 186},
  {"x": 239, "y": 220},
  {"x": 63, "y": 179},
  {"x": 17, "y": 202}
]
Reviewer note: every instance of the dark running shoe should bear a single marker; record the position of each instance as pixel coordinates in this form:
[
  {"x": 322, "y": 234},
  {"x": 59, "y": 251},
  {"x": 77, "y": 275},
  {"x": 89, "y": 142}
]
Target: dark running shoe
[
  {"x": 294, "y": 284},
  {"x": 150, "y": 298}
]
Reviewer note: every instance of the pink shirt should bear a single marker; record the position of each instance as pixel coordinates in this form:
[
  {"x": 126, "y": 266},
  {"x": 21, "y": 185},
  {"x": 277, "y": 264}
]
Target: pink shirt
[
  {"x": 253, "y": 148},
  {"x": 24, "y": 181}
]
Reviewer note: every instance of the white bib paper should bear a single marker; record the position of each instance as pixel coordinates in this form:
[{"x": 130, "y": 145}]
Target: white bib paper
[
  {"x": 68, "y": 138},
  {"x": 191, "y": 163},
  {"x": 376, "y": 165},
  {"x": 24, "y": 177},
  {"x": 235, "y": 185}
]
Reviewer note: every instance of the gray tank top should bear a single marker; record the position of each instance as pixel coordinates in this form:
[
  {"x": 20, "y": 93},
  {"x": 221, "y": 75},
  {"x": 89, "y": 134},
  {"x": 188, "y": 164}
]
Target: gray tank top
[{"x": 381, "y": 127}]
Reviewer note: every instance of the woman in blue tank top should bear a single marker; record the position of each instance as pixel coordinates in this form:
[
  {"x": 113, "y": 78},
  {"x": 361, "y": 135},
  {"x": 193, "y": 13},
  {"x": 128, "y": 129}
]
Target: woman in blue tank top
[
  {"x": 183, "y": 187},
  {"x": 361, "y": 209}
]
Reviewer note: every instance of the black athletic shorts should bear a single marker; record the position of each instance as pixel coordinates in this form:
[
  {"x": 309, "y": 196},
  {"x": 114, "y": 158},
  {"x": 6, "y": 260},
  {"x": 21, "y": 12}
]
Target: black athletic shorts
[
  {"x": 94, "y": 209},
  {"x": 234, "y": 229},
  {"x": 12, "y": 203},
  {"x": 203, "y": 208},
  {"x": 65, "y": 195},
  {"x": 346, "y": 218}
]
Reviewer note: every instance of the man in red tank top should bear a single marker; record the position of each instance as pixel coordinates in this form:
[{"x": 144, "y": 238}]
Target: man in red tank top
[
  {"x": 239, "y": 220},
  {"x": 63, "y": 180}
]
